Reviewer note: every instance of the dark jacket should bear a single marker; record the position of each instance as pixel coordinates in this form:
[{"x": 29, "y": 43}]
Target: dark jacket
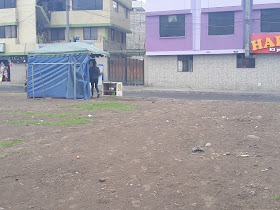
[{"x": 94, "y": 73}]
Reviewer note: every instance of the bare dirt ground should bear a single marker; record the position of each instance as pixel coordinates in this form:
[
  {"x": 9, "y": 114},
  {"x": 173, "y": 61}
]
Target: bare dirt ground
[{"x": 142, "y": 158}]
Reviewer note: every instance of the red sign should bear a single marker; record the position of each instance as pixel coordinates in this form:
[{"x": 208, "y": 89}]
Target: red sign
[{"x": 265, "y": 43}]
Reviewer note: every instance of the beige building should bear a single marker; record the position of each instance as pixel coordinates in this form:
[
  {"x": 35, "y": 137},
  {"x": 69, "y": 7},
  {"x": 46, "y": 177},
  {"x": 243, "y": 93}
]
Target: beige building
[{"x": 27, "y": 25}]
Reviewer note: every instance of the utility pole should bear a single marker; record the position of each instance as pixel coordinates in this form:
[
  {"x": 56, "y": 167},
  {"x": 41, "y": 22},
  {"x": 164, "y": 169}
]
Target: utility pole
[
  {"x": 67, "y": 21},
  {"x": 248, "y": 10}
]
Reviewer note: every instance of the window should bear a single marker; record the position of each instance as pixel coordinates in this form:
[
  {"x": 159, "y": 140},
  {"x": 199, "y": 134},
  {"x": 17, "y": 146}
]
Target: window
[
  {"x": 87, "y": 5},
  {"x": 2, "y": 32},
  {"x": 58, "y": 34},
  {"x": 122, "y": 37},
  {"x": 270, "y": 20},
  {"x": 90, "y": 33},
  {"x": 113, "y": 34},
  {"x": 125, "y": 12},
  {"x": 243, "y": 62},
  {"x": 7, "y": 4},
  {"x": 185, "y": 63},
  {"x": 8, "y": 32},
  {"x": 221, "y": 23},
  {"x": 116, "y": 6},
  {"x": 172, "y": 25},
  {"x": 57, "y": 5}
]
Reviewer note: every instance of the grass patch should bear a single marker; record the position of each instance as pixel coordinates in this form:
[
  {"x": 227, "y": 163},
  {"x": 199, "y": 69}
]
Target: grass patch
[
  {"x": 44, "y": 114},
  {"x": 10, "y": 143},
  {"x": 276, "y": 197},
  {"x": 110, "y": 105},
  {"x": 22, "y": 152},
  {"x": 4, "y": 156},
  {"x": 68, "y": 122}
]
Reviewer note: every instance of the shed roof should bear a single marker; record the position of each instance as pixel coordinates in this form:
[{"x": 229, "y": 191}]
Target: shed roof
[{"x": 68, "y": 48}]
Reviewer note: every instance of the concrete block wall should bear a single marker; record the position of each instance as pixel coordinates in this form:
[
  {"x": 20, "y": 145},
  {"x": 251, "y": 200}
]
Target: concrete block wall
[
  {"x": 137, "y": 39},
  {"x": 214, "y": 72}
]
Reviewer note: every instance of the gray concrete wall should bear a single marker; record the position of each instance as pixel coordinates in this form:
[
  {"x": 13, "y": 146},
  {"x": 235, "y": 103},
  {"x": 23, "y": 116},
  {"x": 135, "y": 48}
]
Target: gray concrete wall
[
  {"x": 136, "y": 40},
  {"x": 214, "y": 72},
  {"x": 18, "y": 73}
]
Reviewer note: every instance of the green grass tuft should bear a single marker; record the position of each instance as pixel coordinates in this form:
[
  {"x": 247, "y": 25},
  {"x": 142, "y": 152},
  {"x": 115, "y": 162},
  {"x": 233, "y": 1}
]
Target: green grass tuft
[
  {"x": 10, "y": 143},
  {"x": 3, "y": 156},
  {"x": 44, "y": 114},
  {"x": 106, "y": 105},
  {"x": 277, "y": 197},
  {"x": 68, "y": 122}
]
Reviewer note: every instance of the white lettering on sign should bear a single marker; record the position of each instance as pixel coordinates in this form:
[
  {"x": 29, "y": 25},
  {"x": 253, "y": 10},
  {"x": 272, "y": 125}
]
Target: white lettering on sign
[
  {"x": 272, "y": 49},
  {"x": 278, "y": 50}
]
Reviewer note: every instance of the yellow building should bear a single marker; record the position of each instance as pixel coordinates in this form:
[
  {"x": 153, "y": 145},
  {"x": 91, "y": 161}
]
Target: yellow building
[{"x": 27, "y": 25}]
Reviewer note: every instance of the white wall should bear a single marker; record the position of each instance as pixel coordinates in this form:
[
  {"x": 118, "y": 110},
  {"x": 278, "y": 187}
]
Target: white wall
[
  {"x": 266, "y": 1},
  {"x": 220, "y": 3},
  {"x": 167, "y": 5}
]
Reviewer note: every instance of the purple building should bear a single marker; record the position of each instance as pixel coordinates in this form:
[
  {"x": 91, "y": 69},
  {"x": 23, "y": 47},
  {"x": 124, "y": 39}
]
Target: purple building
[{"x": 200, "y": 45}]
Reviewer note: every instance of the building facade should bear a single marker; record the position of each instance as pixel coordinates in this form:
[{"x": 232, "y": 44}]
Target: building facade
[
  {"x": 200, "y": 45},
  {"x": 26, "y": 26}
]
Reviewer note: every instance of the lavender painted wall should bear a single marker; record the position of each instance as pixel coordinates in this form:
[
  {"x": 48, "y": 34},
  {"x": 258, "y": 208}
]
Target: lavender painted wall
[
  {"x": 256, "y": 22},
  {"x": 222, "y": 42},
  {"x": 155, "y": 43}
]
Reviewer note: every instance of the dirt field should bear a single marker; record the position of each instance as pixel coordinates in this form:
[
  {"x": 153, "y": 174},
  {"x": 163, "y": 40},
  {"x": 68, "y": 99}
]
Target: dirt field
[{"x": 141, "y": 158}]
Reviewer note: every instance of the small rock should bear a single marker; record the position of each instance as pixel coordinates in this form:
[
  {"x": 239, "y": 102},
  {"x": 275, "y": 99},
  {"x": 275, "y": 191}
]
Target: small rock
[
  {"x": 208, "y": 145},
  {"x": 264, "y": 170},
  {"x": 244, "y": 155},
  {"x": 197, "y": 149},
  {"x": 167, "y": 121},
  {"x": 253, "y": 185},
  {"x": 253, "y": 193},
  {"x": 89, "y": 115},
  {"x": 226, "y": 154},
  {"x": 102, "y": 180},
  {"x": 253, "y": 137}
]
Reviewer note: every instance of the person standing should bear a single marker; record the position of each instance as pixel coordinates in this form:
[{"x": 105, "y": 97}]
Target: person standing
[{"x": 94, "y": 73}]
